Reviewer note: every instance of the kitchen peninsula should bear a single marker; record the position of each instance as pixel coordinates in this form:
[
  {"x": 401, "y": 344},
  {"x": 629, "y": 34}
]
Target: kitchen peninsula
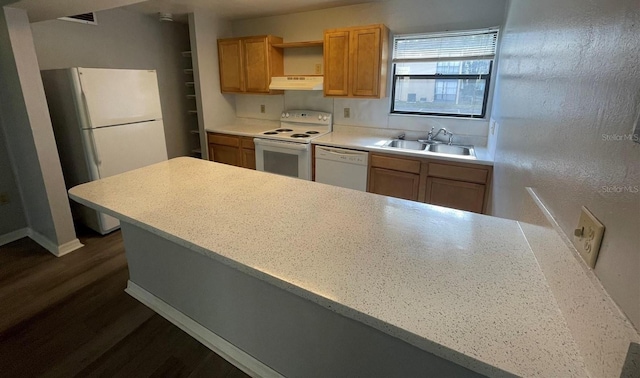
[{"x": 291, "y": 277}]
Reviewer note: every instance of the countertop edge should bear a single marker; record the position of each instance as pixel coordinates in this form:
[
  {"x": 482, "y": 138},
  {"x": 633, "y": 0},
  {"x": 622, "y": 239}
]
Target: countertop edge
[{"x": 413, "y": 339}]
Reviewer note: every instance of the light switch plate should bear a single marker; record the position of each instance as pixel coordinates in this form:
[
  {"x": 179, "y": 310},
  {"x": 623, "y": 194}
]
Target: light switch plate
[
  {"x": 588, "y": 236},
  {"x": 347, "y": 112}
]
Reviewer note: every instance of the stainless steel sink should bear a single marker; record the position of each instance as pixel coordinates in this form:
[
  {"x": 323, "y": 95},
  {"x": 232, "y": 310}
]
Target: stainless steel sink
[
  {"x": 405, "y": 144},
  {"x": 431, "y": 147},
  {"x": 451, "y": 149}
]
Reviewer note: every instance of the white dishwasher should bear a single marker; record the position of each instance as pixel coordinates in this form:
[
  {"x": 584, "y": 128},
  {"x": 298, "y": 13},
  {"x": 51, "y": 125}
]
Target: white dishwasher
[{"x": 340, "y": 167}]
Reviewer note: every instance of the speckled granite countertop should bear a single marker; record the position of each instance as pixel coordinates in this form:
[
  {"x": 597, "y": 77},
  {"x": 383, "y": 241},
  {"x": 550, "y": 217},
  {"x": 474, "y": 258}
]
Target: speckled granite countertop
[
  {"x": 462, "y": 286},
  {"x": 358, "y": 141}
]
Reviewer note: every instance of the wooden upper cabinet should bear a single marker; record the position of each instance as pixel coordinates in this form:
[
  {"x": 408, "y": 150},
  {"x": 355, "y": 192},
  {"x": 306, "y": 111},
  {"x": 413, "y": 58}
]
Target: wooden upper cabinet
[
  {"x": 365, "y": 62},
  {"x": 355, "y": 61},
  {"x": 336, "y": 63},
  {"x": 247, "y": 64},
  {"x": 230, "y": 65}
]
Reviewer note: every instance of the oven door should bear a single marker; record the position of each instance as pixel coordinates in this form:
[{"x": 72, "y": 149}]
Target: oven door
[{"x": 283, "y": 158}]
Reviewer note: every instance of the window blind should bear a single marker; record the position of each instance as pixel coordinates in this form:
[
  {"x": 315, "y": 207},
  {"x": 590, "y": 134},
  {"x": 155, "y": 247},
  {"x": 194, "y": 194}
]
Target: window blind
[{"x": 445, "y": 46}]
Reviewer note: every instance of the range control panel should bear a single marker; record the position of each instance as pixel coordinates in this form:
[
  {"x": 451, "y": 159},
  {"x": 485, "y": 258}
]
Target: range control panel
[{"x": 306, "y": 116}]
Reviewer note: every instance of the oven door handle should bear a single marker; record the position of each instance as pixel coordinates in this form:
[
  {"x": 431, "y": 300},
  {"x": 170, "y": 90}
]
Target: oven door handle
[{"x": 287, "y": 145}]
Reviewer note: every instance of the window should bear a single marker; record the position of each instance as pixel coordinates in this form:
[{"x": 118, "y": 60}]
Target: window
[{"x": 448, "y": 72}]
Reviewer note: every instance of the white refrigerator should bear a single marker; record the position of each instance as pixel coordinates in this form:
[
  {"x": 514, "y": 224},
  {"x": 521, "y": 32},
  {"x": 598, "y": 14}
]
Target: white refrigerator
[{"x": 106, "y": 122}]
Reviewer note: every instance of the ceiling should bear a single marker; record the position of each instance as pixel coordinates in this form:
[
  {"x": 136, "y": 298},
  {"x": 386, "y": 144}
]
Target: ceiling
[
  {"x": 40, "y": 10},
  {"x": 239, "y": 9}
]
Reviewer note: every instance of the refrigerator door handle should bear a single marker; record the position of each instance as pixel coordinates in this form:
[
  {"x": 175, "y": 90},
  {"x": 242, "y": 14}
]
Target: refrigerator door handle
[{"x": 92, "y": 138}]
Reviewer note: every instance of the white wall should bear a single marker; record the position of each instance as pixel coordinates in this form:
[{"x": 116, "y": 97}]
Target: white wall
[
  {"x": 401, "y": 16},
  {"x": 568, "y": 81},
  {"x": 126, "y": 39},
  {"x": 27, "y": 128},
  {"x": 214, "y": 108}
]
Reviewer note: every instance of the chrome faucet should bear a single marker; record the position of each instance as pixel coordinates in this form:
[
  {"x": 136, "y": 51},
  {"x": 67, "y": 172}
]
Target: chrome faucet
[
  {"x": 401, "y": 136},
  {"x": 431, "y": 136}
]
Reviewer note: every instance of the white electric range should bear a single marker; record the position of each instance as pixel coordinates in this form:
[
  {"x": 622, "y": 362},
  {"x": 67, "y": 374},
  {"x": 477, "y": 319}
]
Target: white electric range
[{"x": 287, "y": 149}]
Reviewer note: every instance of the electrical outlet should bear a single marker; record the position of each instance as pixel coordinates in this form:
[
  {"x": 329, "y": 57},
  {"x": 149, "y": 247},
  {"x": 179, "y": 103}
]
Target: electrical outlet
[
  {"x": 4, "y": 198},
  {"x": 262, "y": 108},
  {"x": 319, "y": 69},
  {"x": 347, "y": 112},
  {"x": 588, "y": 236}
]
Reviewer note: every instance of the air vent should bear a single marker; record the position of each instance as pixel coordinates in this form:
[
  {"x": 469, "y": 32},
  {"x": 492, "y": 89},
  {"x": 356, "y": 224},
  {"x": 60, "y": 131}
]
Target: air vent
[{"x": 85, "y": 18}]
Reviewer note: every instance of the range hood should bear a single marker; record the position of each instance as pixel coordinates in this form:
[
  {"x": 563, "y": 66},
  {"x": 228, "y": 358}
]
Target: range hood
[{"x": 297, "y": 83}]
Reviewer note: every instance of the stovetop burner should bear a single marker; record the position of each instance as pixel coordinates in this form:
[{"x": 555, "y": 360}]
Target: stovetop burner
[
  {"x": 270, "y": 133},
  {"x": 311, "y": 132},
  {"x": 299, "y": 135},
  {"x": 283, "y": 130}
]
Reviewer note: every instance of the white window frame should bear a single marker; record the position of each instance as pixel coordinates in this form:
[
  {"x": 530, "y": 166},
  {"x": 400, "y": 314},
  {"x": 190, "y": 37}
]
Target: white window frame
[{"x": 485, "y": 51}]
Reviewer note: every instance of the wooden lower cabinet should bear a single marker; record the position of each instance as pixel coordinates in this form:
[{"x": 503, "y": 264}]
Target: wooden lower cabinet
[
  {"x": 460, "y": 186},
  {"x": 232, "y": 149},
  {"x": 455, "y": 194},
  {"x": 394, "y": 183},
  {"x": 248, "y": 158}
]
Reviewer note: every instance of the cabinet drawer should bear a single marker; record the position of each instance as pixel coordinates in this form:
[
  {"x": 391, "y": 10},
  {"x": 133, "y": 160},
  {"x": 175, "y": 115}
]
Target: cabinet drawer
[
  {"x": 247, "y": 143},
  {"x": 394, "y": 184},
  {"x": 225, "y": 140},
  {"x": 456, "y": 194},
  {"x": 455, "y": 172},
  {"x": 396, "y": 164}
]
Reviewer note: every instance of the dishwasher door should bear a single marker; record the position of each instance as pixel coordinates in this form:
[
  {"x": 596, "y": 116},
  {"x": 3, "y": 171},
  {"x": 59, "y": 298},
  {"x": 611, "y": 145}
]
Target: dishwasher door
[{"x": 340, "y": 167}]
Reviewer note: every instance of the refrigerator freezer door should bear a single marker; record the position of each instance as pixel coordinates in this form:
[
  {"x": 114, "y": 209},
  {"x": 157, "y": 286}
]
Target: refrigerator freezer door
[{"x": 114, "y": 97}]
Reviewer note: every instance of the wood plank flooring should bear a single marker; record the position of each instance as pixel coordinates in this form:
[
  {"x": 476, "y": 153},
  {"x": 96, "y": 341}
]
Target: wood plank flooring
[{"x": 70, "y": 316}]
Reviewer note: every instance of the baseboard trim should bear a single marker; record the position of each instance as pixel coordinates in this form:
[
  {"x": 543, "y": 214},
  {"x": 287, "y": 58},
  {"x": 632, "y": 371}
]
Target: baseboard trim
[
  {"x": 222, "y": 347},
  {"x": 68, "y": 247},
  {"x": 13, "y": 236},
  {"x": 56, "y": 250}
]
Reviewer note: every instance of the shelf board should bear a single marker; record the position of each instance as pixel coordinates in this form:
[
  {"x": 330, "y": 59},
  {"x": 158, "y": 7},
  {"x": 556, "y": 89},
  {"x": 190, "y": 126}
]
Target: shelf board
[
  {"x": 189, "y": 83},
  {"x": 192, "y": 111},
  {"x": 188, "y": 71},
  {"x": 186, "y": 54},
  {"x": 191, "y": 96},
  {"x": 298, "y": 44},
  {"x": 194, "y": 131},
  {"x": 196, "y": 151}
]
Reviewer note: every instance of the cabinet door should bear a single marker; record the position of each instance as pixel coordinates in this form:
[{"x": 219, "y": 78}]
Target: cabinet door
[
  {"x": 456, "y": 194},
  {"x": 249, "y": 158},
  {"x": 365, "y": 62},
  {"x": 230, "y": 65},
  {"x": 336, "y": 63},
  {"x": 225, "y": 154},
  {"x": 394, "y": 183},
  {"x": 256, "y": 58}
]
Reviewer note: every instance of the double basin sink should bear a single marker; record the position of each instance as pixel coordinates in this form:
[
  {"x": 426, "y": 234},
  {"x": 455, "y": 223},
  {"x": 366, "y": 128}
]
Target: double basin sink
[{"x": 438, "y": 148}]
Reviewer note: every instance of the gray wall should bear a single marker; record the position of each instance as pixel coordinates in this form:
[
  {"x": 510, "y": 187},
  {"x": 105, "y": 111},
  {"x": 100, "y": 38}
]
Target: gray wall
[
  {"x": 11, "y": 215},
  {"x": 567, "y": 89},
  {"x": 27, "y": 128},
  {"x": 126, "y": 39}
]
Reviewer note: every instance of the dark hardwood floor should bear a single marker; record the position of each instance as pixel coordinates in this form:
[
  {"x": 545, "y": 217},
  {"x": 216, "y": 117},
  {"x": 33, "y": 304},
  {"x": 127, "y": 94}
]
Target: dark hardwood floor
[{"x": 70, "y": 316}]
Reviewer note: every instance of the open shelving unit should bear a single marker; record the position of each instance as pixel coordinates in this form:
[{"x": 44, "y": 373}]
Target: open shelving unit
[{"x": 191, "y": 95}]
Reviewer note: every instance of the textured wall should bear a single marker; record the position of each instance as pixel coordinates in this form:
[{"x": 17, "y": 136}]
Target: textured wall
[
  {"x": 126, "y": 39},
  {"x": 567, "y": 98}
]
